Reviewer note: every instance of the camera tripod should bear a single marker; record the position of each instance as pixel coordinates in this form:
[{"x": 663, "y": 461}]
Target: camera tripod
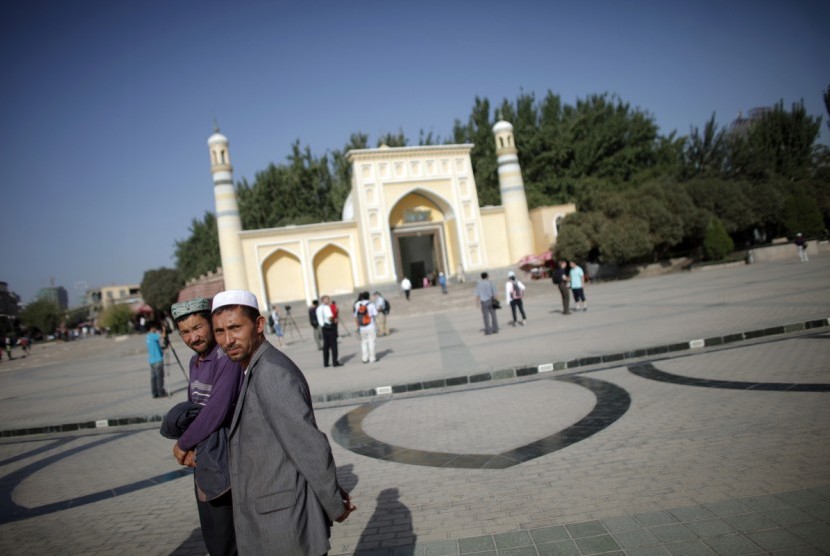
[{"x": 289, "y": 322}]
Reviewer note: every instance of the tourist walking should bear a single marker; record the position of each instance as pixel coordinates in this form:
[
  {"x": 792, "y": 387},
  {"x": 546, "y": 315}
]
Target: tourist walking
[
  {"x": 406, "y": 286},
  {"x": 442, "y": 281},
  {"x": 382, "y": 306},
  {"x": 365, "y": 314},
  {"x": 514, "y": 290},
  {"x": 801, "y": 243},
  {"x": 155, "y": 358},
  {"x": 577, "y": 279}
]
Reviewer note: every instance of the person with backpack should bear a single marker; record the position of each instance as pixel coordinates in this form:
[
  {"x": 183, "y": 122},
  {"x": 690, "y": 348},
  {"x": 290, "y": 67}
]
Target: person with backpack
[
  {"x": 365, "y": 313},
  {"x": 383, "y": 308},
  {"x": 514, "y": 290}
]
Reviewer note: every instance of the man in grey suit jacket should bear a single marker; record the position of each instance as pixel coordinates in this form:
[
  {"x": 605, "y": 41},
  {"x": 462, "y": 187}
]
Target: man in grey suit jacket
[{"x": 283, "y": 476}]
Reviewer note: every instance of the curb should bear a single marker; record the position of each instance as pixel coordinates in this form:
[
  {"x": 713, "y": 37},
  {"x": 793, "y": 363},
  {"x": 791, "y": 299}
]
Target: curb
[{"x": 502, "y": 374}]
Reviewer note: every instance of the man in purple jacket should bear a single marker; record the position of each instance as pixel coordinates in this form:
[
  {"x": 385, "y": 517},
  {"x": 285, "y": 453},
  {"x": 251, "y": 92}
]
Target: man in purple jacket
[{"x": 214, "y": 384}]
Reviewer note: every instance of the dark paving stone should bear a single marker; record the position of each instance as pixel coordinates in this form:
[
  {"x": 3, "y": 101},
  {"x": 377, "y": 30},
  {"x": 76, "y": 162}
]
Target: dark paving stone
[
  {"x": 635, "y": 538},
  {"x": 691, "y": 513},
  {"x": 597, "y": 545},
  {"x": 440, "y": 548},
  {"x": 622, "y": 523},
  {"x": 749, "y": 522},
  {"x": 689, "y": 548},
  {"x": 727, "y": 507},
  {"x": 652, "y": 519},
  {"x": 775, "y": 539},
  {"x": 513, "y": 539},
  {"x": 672, "y": 533},
  {"x": 586, "y": 529},
  {"x": 476, "y": 544},
  {"x": 710, "y": 528},
  {"x": 549, "y": 534},
  {"x": 564, "y": 548},
  {"x": 731, "y": 545},
  {"x": 789, "y": 516},
  {"x": 816, "y": 534}
]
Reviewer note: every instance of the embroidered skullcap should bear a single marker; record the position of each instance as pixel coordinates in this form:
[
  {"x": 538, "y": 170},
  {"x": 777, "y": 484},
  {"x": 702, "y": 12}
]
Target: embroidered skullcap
[
  {"x": 235, "y": 297},
  {"x": 184, "y": 308}
]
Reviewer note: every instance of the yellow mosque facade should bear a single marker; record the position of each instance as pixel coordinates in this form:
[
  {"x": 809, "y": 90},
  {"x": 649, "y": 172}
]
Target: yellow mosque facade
[{"x": 411, "y": 211}]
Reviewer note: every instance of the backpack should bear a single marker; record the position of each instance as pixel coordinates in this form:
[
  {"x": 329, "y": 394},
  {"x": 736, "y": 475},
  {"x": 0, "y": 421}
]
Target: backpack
[
  {"x": 386, "y": 307},
  {"x": 516, "y": 292},
  {"x": 363, "y": 316}
]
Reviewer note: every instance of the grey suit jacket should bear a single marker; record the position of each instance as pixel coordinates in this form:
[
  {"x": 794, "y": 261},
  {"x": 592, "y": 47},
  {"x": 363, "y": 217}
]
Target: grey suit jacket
[{"x": 283, "y": 477}]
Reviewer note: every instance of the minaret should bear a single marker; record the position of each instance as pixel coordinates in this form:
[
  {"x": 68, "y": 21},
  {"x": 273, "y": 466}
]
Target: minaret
[
  {"x": 228, "y": 222},
  {"x": 512, "y": 189}
]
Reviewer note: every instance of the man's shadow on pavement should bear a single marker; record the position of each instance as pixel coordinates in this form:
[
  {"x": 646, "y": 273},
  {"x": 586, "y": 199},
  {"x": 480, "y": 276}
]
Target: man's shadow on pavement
[
  {"x": 391, "y": 515},
  {"x": 191, "y": 545}
]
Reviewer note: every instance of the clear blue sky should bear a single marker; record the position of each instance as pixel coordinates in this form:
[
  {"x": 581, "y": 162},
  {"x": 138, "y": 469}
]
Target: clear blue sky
[{"x": 107, "y": 105}]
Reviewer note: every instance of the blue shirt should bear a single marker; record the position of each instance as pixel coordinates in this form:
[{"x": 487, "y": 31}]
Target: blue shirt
[
  {"x": 576, "y": 277},
  {"x": 154, "y": 348}
]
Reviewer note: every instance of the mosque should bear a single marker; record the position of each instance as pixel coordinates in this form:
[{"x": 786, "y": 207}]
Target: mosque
[{"x": 411, "y": 211}]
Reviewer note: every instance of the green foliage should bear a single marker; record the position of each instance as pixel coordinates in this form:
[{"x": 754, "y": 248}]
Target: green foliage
[
  {"x": 778, "y": 143},
  {"x": 573, "y": 242},
  {"x": 717, "y": 243},
  {"x": 624, "y": 240},
  {"x": 116, "y": 318},
  {"x": 42, "y": 315},
  {"x": 160, "y": 288},
  {"x": 199, "y": 253},
  {"x": 801, "y": 213},
  {"x": 705, "y": 153},
  {"x": 74, "y": 317}
]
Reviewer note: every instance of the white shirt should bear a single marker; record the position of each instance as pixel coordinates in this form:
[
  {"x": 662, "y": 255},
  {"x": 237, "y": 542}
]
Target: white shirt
[
  {"x": 508, "y": 288},
  {"x": 324, "y": 315},
  {"x": 371, "y": 309},
  {"x": 406, "y": 284}
]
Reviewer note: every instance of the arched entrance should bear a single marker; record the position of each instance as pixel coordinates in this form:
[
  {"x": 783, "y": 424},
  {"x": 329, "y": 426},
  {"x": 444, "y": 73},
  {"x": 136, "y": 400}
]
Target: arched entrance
[
  {"x": 283, "y": 277},
  {"x": 421, "y": 231}
]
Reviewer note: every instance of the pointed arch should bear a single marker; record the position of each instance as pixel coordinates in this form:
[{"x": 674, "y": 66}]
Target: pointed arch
[
  {"x": 333, "y": 270},
  {"x": 283, "y": 276}
]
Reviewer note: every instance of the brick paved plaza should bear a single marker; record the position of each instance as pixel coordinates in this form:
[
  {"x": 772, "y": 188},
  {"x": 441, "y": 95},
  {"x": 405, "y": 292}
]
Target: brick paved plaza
[{"x": 623, "y": 448}]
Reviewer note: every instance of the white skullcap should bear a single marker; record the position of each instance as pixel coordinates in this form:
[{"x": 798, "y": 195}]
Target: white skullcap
[
  {"x": 234, "y": 297},
  {"x": 511, "y": 274}
]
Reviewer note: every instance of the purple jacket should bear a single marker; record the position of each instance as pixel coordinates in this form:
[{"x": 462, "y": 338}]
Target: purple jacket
[{"x": 214, "y": 383}]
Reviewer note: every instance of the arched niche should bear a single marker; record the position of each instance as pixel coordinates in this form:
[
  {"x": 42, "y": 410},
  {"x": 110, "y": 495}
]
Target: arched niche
[
  {"x": 283, "y": 275},
  {"x": 333, "y": 271}
]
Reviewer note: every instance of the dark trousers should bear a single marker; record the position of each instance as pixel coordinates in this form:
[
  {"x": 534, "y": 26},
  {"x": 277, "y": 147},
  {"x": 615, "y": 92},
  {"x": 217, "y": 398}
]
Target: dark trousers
[
  {"x": 329, "y": 345},
  {"x": 157, "y": 379},
  {"x": 216, "y": 519},
  {"x": 566, "y": 298},
  {"x": 514, "y": 303}
]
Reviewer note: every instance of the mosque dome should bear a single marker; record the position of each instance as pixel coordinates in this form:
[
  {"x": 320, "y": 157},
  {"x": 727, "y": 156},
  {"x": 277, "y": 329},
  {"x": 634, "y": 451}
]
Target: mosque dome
[
  {"x": 348, "y": 209},
  {"x": 217, "y": 138},
  {"x": 501, "y": 125}
]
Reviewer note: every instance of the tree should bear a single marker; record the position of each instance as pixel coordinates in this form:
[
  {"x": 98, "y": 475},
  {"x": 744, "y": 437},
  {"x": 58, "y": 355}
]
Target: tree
[
  {"x": 717, "y": 243},
  {"x": 705, "y": 153},
  {"x": 199, "y": 253},
  {"x": 625, "y": 240},
  {"x": 801, "y": 213},
  {"x": 779, "y": 142},
  {"x": 116, "y": 319},
  {"x": 160, "y": 288},
  {"x": 42, "y": 315}
]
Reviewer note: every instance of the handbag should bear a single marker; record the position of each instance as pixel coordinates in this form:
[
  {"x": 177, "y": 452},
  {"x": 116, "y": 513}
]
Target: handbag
[{"x": 496, "y": 304}]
